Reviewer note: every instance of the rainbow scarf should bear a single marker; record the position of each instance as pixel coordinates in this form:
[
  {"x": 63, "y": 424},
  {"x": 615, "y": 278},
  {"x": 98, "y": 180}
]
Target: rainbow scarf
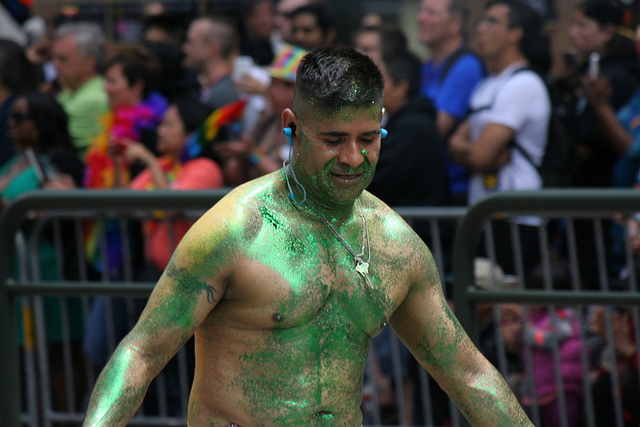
[
  {"x": 207, "y": 131},
  {"x": 125, "y": 122}
]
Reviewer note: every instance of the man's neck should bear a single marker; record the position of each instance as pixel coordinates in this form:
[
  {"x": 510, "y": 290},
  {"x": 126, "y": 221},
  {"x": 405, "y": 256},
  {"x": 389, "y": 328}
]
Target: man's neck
[
  {"x": 340, "y": 213},
  {"x": 216, "y": 70},
  {"x": 441, "y": 51},
  {"x": 502, "y": 61},
  {"x": 80, "y": 82}
]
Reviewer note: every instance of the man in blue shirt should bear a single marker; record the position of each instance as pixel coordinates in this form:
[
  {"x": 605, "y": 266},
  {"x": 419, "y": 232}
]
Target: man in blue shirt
[{"x": 450, "y": 74}]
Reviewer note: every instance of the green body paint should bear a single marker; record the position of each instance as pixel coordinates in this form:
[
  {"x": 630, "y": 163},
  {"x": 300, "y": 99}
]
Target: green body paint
[{"x": 188, "y": 284}]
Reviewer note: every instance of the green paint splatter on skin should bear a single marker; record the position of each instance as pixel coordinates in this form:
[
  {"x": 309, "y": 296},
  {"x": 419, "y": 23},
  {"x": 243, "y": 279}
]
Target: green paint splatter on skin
[
  {"x": 115, "y": 382},
  {"x": 316, "y": 345}
]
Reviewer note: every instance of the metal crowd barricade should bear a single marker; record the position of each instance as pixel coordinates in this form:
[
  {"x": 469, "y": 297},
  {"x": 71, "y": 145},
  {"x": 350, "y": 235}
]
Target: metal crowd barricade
[
  {"x": 601, "y": 212},
  {"x": 22, "y": 288},
  {"x": 27, "y": 388}
]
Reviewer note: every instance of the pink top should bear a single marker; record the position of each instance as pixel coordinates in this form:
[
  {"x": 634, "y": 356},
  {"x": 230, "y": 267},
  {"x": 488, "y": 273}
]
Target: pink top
[{"x": 197, "y": 174}]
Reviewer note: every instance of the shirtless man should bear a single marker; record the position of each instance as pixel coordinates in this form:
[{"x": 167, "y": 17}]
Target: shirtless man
[{"x": 286, "y": 280}]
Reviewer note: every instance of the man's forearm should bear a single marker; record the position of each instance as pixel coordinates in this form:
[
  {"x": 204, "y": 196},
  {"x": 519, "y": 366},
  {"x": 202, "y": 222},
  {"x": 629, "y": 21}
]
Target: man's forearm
[
  {"x": 119, "y": 390},
  {"x": 487, "y": 400}
]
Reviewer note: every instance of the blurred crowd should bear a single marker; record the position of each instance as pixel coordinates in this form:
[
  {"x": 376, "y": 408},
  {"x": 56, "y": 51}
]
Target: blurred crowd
[{"x": 197, "y": 105}]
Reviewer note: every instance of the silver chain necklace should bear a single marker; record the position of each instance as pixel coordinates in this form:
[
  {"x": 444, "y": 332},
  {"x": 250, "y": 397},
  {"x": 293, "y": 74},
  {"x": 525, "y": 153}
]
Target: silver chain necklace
[{"x": 362, "y": 267}]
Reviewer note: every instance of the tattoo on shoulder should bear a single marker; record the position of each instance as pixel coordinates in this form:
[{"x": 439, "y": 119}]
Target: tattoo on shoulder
[{"x": 188, "y": 284}]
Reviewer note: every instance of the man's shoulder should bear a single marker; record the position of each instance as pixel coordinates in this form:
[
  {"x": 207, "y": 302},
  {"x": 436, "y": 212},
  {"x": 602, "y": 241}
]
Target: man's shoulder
[
  {"x": 255, "y": 190},
  {"x": 222, "y": 92},
  {"x": 464, "y": 65},
  {"x": 237, "y": 209},
  {"x": 392, "y": 226}
]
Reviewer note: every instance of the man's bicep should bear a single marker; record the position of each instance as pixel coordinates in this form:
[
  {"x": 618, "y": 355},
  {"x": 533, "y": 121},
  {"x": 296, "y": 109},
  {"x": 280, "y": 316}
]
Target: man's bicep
[
  {"x": 420, "y": 318},
  {"x": 190, "y": 287},
  {"x": 426, "y": 324}
]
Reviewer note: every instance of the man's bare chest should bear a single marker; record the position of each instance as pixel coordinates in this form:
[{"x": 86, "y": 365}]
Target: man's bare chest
[{"x": 293, "y": 276}]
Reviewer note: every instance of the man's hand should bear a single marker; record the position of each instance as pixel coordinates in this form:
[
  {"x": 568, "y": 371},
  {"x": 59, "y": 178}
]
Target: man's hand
[{"x": 598, "y": 91}]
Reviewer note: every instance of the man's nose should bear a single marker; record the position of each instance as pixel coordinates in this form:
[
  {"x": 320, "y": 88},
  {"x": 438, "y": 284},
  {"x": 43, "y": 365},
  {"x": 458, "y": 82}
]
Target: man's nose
[{"x": 350, "y": 154}]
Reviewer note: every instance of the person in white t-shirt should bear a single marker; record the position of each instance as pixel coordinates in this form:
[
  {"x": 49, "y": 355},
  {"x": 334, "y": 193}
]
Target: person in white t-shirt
[{"x": 504, "y": 138}]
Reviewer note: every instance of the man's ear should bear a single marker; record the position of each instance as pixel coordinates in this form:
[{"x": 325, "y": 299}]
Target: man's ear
[
  {"x": 214, "y": 48},
  {"x": 515, "y": 35},
  {"x": 289, "y": 120}
]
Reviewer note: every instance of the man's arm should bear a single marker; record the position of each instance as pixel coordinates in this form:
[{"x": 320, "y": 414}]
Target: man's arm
[
  {"x": 488, "y": 152},
  {"x": 189, "y": 289},
  {"x": 446, "y": 123},
  {"x": 427, "y": 326}
]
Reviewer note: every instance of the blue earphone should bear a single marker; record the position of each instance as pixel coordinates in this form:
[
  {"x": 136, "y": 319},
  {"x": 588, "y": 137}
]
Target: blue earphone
[{"x": 288, "y": 132}]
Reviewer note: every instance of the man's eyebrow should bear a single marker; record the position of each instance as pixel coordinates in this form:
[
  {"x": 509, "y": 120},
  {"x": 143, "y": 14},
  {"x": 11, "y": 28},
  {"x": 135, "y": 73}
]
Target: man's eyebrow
[{"x": 336, "y": 133}]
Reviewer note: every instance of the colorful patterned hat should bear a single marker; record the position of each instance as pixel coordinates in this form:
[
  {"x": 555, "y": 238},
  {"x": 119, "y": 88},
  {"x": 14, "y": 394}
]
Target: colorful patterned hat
[{"x": 285, "y": 64}]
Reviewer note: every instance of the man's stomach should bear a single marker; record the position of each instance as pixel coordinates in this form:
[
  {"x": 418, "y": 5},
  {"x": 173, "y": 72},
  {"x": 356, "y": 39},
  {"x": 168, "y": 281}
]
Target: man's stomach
[{"x": 274, "y": 381}]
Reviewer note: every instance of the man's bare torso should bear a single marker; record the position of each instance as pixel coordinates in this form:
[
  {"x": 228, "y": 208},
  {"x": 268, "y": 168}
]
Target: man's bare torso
[{"x": 288, "y": 340}]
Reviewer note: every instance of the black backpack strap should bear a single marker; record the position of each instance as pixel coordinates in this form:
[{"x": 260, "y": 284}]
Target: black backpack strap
[
  {"x": 526, "y": 155},
  {"x": 451, "y": 61}
]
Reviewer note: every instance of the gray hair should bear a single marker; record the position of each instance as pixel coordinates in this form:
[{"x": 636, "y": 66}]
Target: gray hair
[
  {"x": 89, "y": 37},
  {"x": 224, "y": 31},
  {"x": 459, "y": 9}
]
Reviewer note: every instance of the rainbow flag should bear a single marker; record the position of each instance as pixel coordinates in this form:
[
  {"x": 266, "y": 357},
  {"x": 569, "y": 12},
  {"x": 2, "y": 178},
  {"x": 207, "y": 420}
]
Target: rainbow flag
[{"x": 207, "y": 131}]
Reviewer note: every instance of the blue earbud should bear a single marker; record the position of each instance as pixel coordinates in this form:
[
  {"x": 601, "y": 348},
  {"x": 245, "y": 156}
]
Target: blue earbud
[
  {"x": 383, "y": 133},
  {"x": 287, "y": 133}
]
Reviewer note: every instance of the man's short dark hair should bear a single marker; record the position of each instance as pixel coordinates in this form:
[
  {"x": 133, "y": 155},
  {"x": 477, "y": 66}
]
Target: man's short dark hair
[
  {"x": 332, "y": 78},
  {"x": 534, "y": 44},
  {"x": 404, "y": 66}
]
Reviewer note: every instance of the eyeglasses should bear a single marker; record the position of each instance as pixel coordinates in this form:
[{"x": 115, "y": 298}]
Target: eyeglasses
[
  {"x": 19, "y": 117},
  {"x": 490, "y": 21}
]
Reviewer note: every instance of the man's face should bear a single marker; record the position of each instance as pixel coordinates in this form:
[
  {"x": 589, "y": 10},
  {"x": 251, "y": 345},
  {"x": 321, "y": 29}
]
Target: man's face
[
  {"x": 261, "y": 19},
  {"x": 587, "y": 35},
  {"x": 435, "y": 23},
  {"x": 306, "y": 32},
  {"x": 72, "y": 68},
  {"x": 280, "y": 93},
  {"x": 196, "y": 48},
  {"x": 369, "y": 43},
  {"x": 335, "y": 154},
  {"x": 282, "y": 21},
  {"x": 394, "y": 94},
  {"x": 492, "y": 31}
]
